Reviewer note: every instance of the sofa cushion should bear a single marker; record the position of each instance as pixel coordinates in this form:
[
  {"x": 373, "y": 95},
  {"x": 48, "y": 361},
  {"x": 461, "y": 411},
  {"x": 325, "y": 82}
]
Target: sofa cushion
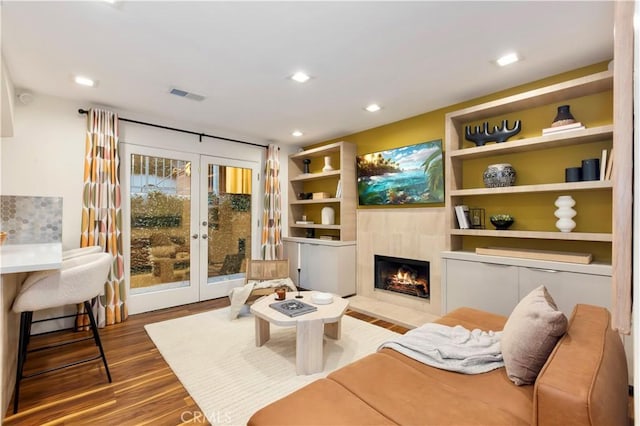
[
  {"x": 471, "y": 318},
  {"x": 530, "y": 334},
  {"x": 321, "y": 403},
  {"x": 492, "y": 388},
  {"x": 421, "y": 395}
]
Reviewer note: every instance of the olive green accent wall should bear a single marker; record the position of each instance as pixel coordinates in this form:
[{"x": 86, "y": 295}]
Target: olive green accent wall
[
  {"x": 430, "y": 125},
  {"x": 594, "y": 110}
]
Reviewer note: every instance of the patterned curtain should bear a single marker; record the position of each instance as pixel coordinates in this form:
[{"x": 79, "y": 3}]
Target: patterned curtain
[
  {"x": 102, "y": 213},
  {"x": 271, "y": 214}
]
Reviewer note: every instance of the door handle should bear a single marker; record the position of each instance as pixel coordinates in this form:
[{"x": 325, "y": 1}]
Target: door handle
[
  {"x": 204, "y": 236},
  {"x": 194, "y": 236}
]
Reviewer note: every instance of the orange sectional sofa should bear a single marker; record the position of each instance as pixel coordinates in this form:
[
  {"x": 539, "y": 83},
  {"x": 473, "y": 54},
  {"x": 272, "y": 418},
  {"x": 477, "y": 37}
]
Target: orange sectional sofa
[{"x": 584, "y": 382}]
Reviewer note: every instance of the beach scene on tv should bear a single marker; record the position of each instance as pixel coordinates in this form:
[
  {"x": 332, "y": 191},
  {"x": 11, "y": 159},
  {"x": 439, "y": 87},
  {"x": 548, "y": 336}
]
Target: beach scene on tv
[{"x": 407, "y": 175}]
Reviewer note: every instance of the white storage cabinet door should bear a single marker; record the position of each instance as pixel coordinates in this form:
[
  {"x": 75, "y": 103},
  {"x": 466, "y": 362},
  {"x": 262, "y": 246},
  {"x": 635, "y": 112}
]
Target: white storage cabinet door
[
  {"x": 567, "y": 288},
  {"x": 485, "y": 286}
]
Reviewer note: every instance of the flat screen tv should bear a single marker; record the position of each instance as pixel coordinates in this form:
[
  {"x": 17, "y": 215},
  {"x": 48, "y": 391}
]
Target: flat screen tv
[{"x": 411, "y": 174}]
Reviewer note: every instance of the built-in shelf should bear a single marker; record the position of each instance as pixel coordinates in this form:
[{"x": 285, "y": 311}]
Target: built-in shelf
[
  {"x": 343, "y": 156},
  {"x": 306, "y": 177},
  {"x": 318, "y": 201},
  {"x": 547, "y": 187},
  {"x": 320, "y": 151},
  {"x": 459, "y": 155},
  {"x": 583, "y": 86},
  {"x": 315, "y": 226},
  {"x": 574, "y": 137},
  {"x": 541, "y": 235}
]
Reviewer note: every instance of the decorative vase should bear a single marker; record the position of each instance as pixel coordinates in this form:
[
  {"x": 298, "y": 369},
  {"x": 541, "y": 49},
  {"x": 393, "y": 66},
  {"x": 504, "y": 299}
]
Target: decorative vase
[
  {"x": 573, "y": 174},
  {"x": 563, "y": 117},
  {"x": 327, "y": 164},
  {"x": 306, "y": 163},
  {"x": 497, "y": 175},
  {"x": 591, "y": 169},
  {"x": 565, "y": 213},
  {"x": 328, "y": 216}
]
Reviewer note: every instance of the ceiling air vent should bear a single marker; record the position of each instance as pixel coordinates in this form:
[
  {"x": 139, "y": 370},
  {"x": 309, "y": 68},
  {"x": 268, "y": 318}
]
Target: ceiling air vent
[{"x": 185, "y": 94}]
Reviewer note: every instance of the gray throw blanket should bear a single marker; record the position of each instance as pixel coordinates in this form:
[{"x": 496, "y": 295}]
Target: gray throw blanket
[{"x": 451, "y": 348}]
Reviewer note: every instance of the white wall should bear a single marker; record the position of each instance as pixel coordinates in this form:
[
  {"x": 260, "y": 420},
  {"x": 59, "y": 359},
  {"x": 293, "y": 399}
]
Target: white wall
[
  {"x": 7, "y": 97},
  {"x": 45, "y": 155},
  {"x": 45, "y": 158}
]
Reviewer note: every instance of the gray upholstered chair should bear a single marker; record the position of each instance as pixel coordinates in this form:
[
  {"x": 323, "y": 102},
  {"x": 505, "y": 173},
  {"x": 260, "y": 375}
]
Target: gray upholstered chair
[{"x": 80, "y": 279}]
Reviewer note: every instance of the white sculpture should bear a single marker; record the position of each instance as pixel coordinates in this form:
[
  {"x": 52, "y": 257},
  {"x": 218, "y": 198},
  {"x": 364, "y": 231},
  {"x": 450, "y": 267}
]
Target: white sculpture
[
  {"x": 565, "y": 213},
  {"x": 327, "y": 164}
]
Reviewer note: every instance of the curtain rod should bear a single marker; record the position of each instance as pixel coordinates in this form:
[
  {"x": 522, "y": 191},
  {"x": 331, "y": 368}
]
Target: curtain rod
[{"x": 200, "y": 135}]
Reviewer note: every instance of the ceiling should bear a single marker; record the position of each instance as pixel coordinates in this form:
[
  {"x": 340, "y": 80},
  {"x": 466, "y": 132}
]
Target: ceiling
[{"x": 410, "y": 57}]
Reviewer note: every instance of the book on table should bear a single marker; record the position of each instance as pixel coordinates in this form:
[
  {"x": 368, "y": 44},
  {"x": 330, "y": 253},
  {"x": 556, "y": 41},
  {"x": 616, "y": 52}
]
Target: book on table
[{"x": 293, "y": 308}]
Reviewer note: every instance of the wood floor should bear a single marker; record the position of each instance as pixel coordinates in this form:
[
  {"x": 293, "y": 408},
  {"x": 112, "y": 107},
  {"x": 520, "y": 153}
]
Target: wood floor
[{"x": 144, "y": 389}]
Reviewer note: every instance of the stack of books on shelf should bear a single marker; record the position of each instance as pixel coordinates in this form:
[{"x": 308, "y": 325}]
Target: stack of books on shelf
[
  {"x": 606, "y": 164},
  {"x": 339, "y": 189},
  {"x": 462, "y": 214},
  {"x": 561, "y": 129},
  {"x": 304, "y": 222}
]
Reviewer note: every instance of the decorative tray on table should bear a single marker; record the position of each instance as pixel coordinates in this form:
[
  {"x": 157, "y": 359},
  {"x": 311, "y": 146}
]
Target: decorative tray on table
[{"x": 293, "y": 308}]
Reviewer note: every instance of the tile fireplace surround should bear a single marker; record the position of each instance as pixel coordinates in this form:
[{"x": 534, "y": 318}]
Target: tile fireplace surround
[{"x": 413, "y": 233}]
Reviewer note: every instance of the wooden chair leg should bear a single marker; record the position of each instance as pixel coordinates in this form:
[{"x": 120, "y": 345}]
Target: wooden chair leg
[{"x": 96, "y": 337}]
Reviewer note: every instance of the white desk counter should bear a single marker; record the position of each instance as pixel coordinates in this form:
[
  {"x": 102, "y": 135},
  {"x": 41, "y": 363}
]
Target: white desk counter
[
  {"x": 30, "y": 257},
  {"x": 15, "y": 261}
]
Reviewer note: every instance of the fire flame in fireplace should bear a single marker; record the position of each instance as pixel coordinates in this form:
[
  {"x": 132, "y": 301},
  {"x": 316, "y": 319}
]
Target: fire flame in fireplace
[
  {"x": 407, "y": 280},
  {"x": 405, "y": 276}
]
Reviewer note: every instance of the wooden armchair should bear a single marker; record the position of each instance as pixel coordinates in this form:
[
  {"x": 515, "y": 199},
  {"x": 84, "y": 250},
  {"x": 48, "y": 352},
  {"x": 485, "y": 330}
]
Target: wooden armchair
[{"x": 262, "y": 270}]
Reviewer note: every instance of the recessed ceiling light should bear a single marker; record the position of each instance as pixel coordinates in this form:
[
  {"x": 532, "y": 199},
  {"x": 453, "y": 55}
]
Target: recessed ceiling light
[
  {"x": 373, "y": 107},
  {"x": 300, "y": 77},
  {"x": 508, "y": 59},
  {"x": 84, "y": 81},
  {"x": 297, "y": 133}
]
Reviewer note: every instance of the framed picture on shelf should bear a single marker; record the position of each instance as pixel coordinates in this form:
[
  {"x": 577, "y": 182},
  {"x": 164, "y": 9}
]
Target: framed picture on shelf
[
  {"x": 476, "y": 218},
  {"x": 411, "y": 174}
]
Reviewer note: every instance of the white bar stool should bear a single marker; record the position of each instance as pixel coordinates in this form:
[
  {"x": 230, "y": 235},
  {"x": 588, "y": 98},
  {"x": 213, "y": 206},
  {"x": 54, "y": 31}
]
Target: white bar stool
[
  {"x": 71, "y": 253},
  {"x": 79, "y": 280}
]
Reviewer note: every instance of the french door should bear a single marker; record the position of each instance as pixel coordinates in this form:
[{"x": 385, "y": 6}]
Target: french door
[{"x": 191, "y": 221}]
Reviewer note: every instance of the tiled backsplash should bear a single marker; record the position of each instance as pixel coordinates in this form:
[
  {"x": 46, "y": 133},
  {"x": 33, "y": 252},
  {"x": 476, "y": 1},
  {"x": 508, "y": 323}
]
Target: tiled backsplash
[{"x": 28, "y": 220}]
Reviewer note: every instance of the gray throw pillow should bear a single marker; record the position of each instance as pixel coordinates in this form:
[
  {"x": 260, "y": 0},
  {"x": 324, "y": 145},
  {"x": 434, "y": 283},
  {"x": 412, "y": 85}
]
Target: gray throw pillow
[{"x": 530, "y": 334}]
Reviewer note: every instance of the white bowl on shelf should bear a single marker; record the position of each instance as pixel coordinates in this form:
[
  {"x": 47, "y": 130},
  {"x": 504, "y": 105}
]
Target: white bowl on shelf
[{"x": 320, "y": 298}]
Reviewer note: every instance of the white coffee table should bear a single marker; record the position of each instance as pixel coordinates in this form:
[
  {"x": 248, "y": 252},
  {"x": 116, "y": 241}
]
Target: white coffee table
[{"x": 309, "y": 327}]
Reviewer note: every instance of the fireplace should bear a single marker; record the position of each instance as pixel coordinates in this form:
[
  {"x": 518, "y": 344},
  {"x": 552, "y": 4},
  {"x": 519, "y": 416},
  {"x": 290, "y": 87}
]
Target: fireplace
[{"x": 405, "y": 276}]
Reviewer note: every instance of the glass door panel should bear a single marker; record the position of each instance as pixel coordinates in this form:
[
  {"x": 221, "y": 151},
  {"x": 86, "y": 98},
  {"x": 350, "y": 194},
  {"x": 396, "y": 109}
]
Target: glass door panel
[
  {"x": 161, "y": 194},
  {"x": 191, "y": 224},
  {"x": 229, "y": 212}
]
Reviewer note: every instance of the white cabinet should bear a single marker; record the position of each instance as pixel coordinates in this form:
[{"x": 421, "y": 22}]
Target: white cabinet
[
  {"x": 485, "y": 286},
  {"x": 496, "y": 284},
  {"x": 328, "y": 266},
  {"x": 567, "y": 288}
]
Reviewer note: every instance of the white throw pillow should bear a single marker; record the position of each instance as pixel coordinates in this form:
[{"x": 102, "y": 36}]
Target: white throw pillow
[{"x": 530, "y": 334}]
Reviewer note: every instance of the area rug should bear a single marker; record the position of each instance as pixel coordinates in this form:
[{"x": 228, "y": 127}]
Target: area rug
[{"x": 217, "y": 361}]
